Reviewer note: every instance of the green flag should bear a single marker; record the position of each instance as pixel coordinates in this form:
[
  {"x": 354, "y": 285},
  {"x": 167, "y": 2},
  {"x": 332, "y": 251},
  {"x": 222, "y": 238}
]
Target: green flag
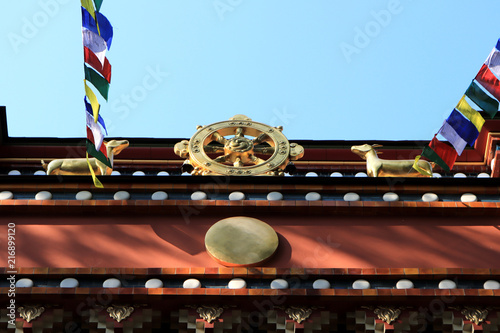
[
  {"x": 482, "y": 99},
  {"x": 97, "y": 81},
  {"x": 97, "y": 154},
  {"x": 98, "y": 4}
]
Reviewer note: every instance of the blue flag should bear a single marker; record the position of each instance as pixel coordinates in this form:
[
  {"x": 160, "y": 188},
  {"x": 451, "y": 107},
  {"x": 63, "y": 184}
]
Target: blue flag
[
  {"x": 464, "y": 128},
  {"x": 105, "y": 28}
]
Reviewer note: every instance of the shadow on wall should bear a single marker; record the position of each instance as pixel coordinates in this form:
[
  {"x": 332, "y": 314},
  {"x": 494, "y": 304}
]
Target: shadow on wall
[
  {"x": 283, "y": 254},
  {"x": 334, "y": 241},
  {"x": 188, "y": 238}
]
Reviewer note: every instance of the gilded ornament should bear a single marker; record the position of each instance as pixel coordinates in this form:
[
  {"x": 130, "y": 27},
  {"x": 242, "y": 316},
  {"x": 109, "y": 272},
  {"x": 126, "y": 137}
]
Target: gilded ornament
[
  {"x": 387, "y": 313},
  {"x": 267, "y": 153},
  {"x": 120, "y": 312},
  {"x": 209, "y": 313},
  {"x": 298, "y": 313},
  {"x": 79, "y": 166},
  {"x": 476, "y": 314},
  {"x": 30, "y": 312},
  {"x": 377, "y": 167}
]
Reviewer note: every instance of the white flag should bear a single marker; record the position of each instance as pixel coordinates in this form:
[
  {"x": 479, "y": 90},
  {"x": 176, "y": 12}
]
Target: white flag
[
  {"x": 452, "y": 136},
  {"x": 96, "y": 131},
  {"x": 95, "y": 43},
  {"x": 493, "y": 62}
]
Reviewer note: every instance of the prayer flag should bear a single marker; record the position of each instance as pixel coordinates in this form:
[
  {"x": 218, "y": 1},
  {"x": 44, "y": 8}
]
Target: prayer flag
[
  {"x": 482, "y": 99},
  {"x": 489, "y": 81},
  {"x": 97, "y": 81},
  {"x": 96, "y": 131},
  {"x": 93, "y": 100},
  {"x": 88, "y": 107},
  {"x": 100, "y": 154},
  {"x": 97, "y": 182},
  {"x": 440, "y": 153},
  {"x": 493, "y": 62},
  {"x": 98, "y": 4},
  {"x": 470, "y": 114},
  {"x": 463, "y": 127},
  {"x": 95, "y": 43},
  {"x": 89, "y": 6},
  {"x": 92, "y": 60},
  {"x": 420, "y": 169},
  {"x": 105, "y": 29},
  {"x": 452, "y": 136}
]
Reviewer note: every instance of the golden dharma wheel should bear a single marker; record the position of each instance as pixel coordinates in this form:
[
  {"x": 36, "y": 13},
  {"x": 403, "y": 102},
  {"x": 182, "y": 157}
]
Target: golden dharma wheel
[
  {"x": 245, "y": 148},
  {"x": 241, "y": 241}
]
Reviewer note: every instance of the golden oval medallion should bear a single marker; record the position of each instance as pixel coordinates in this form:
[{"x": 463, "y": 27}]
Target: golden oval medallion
[{"x": 241, "y": 241}]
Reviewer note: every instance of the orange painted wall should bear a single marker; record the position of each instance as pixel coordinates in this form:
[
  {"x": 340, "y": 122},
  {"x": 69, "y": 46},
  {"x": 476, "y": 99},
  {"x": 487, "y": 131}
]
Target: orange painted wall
[{"x": 52, "y": 241}]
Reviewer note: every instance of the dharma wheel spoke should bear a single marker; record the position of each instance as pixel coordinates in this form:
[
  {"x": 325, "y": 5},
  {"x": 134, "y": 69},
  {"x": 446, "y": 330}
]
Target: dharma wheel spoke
[
  {"x": 256, "y": 160},
  {"x": 239, "y": 133},
  {"x": 213, "y": 149},
  {"x": 222, "y": 159},
  {"x": 219, "y": 138},
  {"x": 264, "y": 150},
  {"x": 237, "y": 163},
  {"x": 260, "y": 138}
]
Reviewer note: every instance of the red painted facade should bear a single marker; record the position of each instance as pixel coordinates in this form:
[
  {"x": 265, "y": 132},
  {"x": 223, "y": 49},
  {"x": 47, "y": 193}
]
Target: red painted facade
[{"x": 305, "y": 241}]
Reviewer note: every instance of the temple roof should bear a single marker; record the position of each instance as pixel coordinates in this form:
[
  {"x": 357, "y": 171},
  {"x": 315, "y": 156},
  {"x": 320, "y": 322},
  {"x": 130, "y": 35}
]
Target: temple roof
[{"x": 152, "y": 155}]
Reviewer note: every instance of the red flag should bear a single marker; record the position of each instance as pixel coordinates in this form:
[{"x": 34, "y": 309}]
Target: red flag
[
  {"x": 489, "y": 81},
  {"x": 92, "y": 60},
  {"x": 441, "y": 153}
]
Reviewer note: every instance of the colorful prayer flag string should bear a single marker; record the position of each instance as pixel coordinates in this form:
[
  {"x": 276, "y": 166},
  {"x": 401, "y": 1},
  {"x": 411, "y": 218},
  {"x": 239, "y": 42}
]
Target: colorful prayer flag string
[
  {"x": 465, "y": 123},
  {"x": 97, "y": 34}
]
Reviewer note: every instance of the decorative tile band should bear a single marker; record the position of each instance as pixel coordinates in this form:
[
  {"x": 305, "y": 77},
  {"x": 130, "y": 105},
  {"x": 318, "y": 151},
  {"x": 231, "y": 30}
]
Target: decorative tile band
[
  {"x": 265, "y": 272},
  {"x": 256, "y": 292}
]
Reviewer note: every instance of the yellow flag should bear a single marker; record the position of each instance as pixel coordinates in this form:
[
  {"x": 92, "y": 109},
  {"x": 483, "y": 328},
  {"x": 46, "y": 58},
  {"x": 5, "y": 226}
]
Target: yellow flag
[
  {"x": 470, "y": 113},
  {"x": 97, "y": 183},
  {"x": 419, "y": 169},
  {"x": 93, "y": 100},
  {"x": 89, "y": 6}
]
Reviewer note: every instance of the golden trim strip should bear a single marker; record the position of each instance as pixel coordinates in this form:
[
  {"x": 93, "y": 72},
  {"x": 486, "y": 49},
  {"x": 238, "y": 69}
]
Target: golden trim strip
[
  {"x": 489, "y": 138},
  {"x": 156, "y": 162}
]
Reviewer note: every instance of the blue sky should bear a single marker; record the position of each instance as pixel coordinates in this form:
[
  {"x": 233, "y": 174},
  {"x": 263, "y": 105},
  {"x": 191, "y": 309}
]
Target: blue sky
[{"x": 324, "y": 70}]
